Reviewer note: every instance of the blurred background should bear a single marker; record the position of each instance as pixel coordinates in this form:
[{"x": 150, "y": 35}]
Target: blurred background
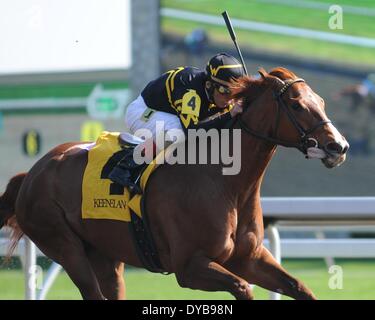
[{"x": 69, "y": 68}]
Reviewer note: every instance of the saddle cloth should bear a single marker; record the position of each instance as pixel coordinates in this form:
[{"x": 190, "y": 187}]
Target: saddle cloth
[{"x": 102, "y": 198}]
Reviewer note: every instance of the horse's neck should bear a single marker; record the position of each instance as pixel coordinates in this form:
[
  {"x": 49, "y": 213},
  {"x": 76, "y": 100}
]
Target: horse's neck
[
  {"x": 256, "y": 154},
  {"x": 255, "y": 157}
]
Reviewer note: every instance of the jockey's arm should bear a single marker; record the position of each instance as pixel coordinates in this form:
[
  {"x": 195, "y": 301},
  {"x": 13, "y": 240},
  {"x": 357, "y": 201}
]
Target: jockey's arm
[
  {"x": 217, "y": 121},
  {"x": 190, "y": 113}
]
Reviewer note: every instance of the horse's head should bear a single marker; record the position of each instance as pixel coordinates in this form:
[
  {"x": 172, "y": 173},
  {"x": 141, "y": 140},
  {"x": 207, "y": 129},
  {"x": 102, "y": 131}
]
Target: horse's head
[{"x": 293, "y": 115}]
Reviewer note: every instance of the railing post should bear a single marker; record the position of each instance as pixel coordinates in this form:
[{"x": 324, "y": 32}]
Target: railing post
[
  {"x": 275, "y": 248},
  {"x": 29, "y": 269},
  {"x": 330, "y": 261},
  {"x": 51, "y": 276}
]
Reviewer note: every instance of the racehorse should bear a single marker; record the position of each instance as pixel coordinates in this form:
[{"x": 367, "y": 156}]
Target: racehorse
[{"x": 207, "y": 227}]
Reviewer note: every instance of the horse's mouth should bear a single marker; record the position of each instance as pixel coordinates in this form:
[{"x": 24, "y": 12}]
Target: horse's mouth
[{"x": 332, "y": 161}]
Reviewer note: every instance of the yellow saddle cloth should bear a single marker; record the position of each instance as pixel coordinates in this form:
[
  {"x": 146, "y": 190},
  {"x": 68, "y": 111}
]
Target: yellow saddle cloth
[{"x": 97, "y": 200}]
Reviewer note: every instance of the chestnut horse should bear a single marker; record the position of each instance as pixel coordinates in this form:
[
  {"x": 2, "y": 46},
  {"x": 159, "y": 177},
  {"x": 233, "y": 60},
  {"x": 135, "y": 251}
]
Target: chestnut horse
[{"x": 207, "y": 227}]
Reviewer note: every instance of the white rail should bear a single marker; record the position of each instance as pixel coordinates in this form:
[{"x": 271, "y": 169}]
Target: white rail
[
  {"x": 270, "y": 28},
  {"x": 319, "y": 208},
  {"x": 320, "y": 211}
]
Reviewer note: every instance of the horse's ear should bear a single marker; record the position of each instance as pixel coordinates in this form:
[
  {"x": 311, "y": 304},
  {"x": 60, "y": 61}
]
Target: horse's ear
[
  {"x": 263, "y": 73},
  {"x": 276, "y": 82},
  {"x": 273, "y": 81}
]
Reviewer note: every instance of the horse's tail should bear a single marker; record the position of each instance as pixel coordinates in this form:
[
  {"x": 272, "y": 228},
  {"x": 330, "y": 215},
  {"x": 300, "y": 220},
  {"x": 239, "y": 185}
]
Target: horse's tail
[{"x": 7, "y": 210}]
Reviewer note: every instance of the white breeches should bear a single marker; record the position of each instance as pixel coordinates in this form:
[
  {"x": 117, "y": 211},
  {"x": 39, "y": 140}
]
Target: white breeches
[{"x": 134, "y": 120}]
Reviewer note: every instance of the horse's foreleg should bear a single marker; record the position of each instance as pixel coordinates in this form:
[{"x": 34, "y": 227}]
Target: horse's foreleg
[
  {"x": 109, "y": 273},
  {"x": 263, "y": 270},
  {"x": 202, "y": 273}
]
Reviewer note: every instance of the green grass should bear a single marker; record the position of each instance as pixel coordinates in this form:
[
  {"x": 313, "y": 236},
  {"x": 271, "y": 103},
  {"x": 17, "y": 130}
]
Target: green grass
[
  {"x": 358, "y": 283},
  {"x": 280, "y": 14},
  {"x": 52, "y": 90},
  {"x": 285, "y": 15}
]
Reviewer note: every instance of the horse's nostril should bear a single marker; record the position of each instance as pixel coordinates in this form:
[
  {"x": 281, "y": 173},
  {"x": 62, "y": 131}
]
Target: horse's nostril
[
  {"x": 345, "y": 149},
  {"x": 334, "y": 147}
]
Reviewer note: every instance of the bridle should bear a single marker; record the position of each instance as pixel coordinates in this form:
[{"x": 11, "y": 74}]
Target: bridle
[{"x": 305, "y": 141}]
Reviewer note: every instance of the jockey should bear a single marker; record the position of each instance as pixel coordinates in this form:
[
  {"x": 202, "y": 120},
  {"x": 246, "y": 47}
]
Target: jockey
[{"x": 183, "y": 98}]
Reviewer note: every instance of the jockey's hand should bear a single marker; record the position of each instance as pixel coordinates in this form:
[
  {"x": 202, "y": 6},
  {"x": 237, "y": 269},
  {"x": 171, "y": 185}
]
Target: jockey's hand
[{"x": 237, "y": 109}]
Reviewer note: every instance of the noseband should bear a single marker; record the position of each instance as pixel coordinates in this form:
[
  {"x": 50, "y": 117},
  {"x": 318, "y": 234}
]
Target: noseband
[{"x": 305, "y": 141}]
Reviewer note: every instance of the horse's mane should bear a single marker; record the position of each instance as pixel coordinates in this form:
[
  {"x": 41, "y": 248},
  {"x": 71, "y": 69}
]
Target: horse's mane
[
  {"x": 282, "y": 73},
  {"x": 248, "y": 88}
]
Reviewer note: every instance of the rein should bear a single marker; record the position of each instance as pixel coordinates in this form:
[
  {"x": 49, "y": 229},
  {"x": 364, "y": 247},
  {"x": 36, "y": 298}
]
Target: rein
[{"x": 305, "y": 141}]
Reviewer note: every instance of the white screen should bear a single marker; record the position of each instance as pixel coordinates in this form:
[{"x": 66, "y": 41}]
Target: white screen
[{"x": 64, "y": 35}]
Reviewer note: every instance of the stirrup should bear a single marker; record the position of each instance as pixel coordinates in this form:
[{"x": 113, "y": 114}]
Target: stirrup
[
  {"x": 123, "y": 178},
  {"x": 120, "y": 176},
  {"x": 134, "y": 188}
]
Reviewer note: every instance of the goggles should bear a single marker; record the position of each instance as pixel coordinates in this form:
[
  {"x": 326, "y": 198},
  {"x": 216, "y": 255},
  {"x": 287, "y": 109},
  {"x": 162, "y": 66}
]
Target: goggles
[{"x": 222, "y": 89}]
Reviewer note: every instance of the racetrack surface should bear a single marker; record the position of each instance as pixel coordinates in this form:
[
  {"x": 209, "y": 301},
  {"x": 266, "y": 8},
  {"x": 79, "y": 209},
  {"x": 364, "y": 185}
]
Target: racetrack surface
[{"x": 358, "y": 283}]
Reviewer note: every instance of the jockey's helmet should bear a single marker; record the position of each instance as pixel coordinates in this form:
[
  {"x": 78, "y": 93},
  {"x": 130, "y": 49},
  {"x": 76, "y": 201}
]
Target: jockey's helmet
[{"x": 222, "y": 68}]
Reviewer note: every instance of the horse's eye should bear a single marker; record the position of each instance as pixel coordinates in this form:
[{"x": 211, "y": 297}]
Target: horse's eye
[{"x": 296, "y": 106}]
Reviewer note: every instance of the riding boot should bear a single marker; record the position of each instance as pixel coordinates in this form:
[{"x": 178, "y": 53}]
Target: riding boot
[
  {"x": 122, "y": 173},
  {"x": 124, "y": 178}
]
